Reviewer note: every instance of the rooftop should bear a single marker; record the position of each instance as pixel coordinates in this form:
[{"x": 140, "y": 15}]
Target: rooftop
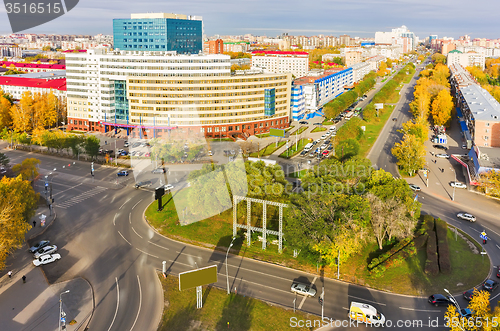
[
  {"x": 56, "y": 84},
  {"x": 481, "y": 104},
  {"x": 43, "y": 75},
  {"x": 312, "y": 79},
  {"x": 32, "y": 65},
  {"x": 280, "y": 53},
  {"x": 461, "y": 76}
]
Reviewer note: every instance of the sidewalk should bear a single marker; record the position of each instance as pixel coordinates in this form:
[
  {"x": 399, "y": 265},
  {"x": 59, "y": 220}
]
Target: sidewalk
[{"x": 35, "y": 305}]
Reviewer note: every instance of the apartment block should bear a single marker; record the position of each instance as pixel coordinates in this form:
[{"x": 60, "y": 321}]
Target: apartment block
[{"x": 296, "y": 63}]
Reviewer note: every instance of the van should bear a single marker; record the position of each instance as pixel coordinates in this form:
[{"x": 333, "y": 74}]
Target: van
[
  {"x": 366, "y": 313},
  {"x": 308, "y": 147}
]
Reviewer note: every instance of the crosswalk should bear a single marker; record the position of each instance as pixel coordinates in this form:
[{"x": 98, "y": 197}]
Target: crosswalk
[{"x": 81, "y": 197}]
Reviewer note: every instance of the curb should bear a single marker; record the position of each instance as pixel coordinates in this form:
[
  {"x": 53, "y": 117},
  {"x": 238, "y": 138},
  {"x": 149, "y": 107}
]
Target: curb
[
  {"x": 89, "y": 317},
  {"x": 45, "y": 228}
]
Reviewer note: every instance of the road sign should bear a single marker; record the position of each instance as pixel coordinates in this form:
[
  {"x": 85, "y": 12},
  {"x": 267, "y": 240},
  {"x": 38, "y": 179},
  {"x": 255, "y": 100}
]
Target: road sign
[
  {"x": 483, "y": 236},
  {"x": 277, "y": 133},
  {"x": 198, "y": 277}
]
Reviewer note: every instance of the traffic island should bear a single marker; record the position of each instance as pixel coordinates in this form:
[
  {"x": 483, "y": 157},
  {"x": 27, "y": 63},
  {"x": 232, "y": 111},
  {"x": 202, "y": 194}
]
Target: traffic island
[{"x": 221, "y": 311}]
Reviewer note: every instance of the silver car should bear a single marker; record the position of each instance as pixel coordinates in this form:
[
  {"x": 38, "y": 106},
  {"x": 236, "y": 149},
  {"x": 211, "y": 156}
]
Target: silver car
[
  {"x": 467, "y": 217},
  {"x": 303, "y": 289},
  {"x": 45, "y": 250},
  {"x": 458, "y": 185}
]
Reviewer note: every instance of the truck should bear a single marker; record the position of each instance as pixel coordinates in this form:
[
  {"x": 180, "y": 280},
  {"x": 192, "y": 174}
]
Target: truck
[{"x": 366, "y": 313}]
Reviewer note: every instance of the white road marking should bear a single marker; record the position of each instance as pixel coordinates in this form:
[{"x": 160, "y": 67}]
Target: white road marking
[
  {"x": 140, "y": 303},
  {"x": 491, "y": 230},
  {"x": 137, "y": 203},
  {"x": 124, "y": 238},
  {"x": 67, "y": 189},
  {"x": 494, "y": 296},
  {"x": 81, "y": 197},
  {"x": 498, "y": 246},
  {"x": 474, "y": 229},
  {"x": 136, "y": 232},
  {"x": 117, "y": 303},
  {"x": 124, "y": 203},
  {"x": 130, "y": 218},
  {"x": 114, "y": 220},
  {"x": 152, "y": 243},
  {"x": 146, "y": 253},
  {"x": 375, "y": 302},
  {"x": 422, "y": 310}
]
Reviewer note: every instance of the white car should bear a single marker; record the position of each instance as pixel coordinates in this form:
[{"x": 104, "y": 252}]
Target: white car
[
  {"x": 44, "y": 259},
  {"x": 45, "y": 250},
  {"x": 414, "y": 187},
  {"x": 323, "y": 137},
  {"x": 303, "y": 289},
  {"x": 332, "y": 128},
  {"x": 467, "y": 217},
  {"x": 443, "y": 156},
  {"x": 322, "y": 147},
  {"x": 168, "y": 187},
  {"x": 210, "y": 153},
  {"x": 458, "y": 185},
  {"x": 125, "y": 144}
]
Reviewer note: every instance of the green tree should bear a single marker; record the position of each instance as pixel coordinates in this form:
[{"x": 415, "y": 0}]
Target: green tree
[
  {"x": 418, "y": 128},
  {"x": 75, "y": 142},
  {"x": 4, "y": 160},
  {"x": 438, "y": 58},
  {"x": 91, "y": 146},
  {"x": 347, "y": 149},
  {"x": 410, "y": 153}
]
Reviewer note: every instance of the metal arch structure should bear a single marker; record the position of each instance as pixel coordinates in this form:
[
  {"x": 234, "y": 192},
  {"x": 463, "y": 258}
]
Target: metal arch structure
[{"x": 264, "y": 229}]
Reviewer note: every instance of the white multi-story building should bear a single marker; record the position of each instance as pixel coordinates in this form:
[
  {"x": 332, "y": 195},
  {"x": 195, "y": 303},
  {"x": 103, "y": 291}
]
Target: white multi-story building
[
  {"x": 164, "y": 90},
  {"x": 375, "y": 61},
  {"x": 360, "y": 70},
  {"x": 466, "y": 59},
  {"x": 296, "y": 63}
]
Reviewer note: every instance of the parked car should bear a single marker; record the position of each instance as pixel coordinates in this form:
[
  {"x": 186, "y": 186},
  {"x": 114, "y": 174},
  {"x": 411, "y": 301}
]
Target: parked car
[
  {"x": 303, "y": 153},
  {"x": 467, "y": 217},
  {"x": 168, "y": 187},
  {"x": 44, "y": 259},
  {"x": 490, "y": 285},
  {"x": 322, "y": 147},
  {"x": 458, "y": 185},
  {"x": 143, "y": 183},
  {"x": 440, "y": 300},
  {"x": 124, "y": 153},
  {"x": 210, "y": 153},
  {"x": 469, "y": 294},
  {"x": 444, "y": 148},
  {"x": 45, "y": 250},
  {"x": 443, "y": 156},
  {"x": 332, "y": 128},
  {"x": 414, "y": 187},
  {"x": 148, "y": 154},
  {"x": 394, "y": 119},
  {"x": 325, "y": 153},
  {"x": 39, "y": 245},
  {"x": 126, "y": 144},
  {"x": 303, "y": 122},
  {"x": 158, "y": 171},
  {"x": 303, "y": 289},
  {"x": 317, "y": 141},
  {"x": 323, "y": 137},
  {"x": 122, "y": 173},
  {"x": 312, "y": 154}
]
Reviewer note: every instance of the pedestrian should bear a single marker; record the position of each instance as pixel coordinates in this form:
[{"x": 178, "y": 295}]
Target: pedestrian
[
  {"x": 24, "y": 279},
  {"x": 34, "y": 223},
  {"x": 10, "y": 274}
]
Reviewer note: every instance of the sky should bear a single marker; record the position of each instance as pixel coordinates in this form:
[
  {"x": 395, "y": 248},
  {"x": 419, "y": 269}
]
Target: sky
[{"x": 450, "y": 18}]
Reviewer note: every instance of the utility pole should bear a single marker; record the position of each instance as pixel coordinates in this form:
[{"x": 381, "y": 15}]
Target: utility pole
[{"x": 62, "y": 314}]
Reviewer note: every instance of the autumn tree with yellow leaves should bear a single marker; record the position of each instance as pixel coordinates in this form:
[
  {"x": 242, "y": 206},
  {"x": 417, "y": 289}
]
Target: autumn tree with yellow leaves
[
  {"x": 36, "y": 111},
  {"x": 17, "y": 205},
  {"x": 442, "y": 107}
]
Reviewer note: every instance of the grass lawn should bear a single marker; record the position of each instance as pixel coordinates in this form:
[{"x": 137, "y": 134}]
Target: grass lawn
[
  {"x": 373, "y": 130},
  {"x": 219, "y": 139},
  {"x": 318, "y": 129},
  {"x": 327, "y": 122},
  {"x": 289, "y": 128},
  {"x": 395, "y": 98},
  {"x": 262, "y": 135},
  {"x": 407, "y": 80},
  {"x": 292, "y": 150},
  {"x": 468, "y": 270},
  {"x": 299, "y": 131},
  {"x": 219, "y": 309},
  {"x": 268, "y": 150}
]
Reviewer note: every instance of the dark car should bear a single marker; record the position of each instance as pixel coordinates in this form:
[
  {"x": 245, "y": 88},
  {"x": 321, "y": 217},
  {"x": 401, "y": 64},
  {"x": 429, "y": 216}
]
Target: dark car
[
  {"x": 469, "y": 294},
  {"x": 394, "y": 119},
  {"x": 444, "y": 148},
  {"x": 143, "y": 183},
  {"x": 490, "y": 285},
  {"x": 303, "y": 153},
  {"x": 122, "y": 173},
  {"x": 303, "y": 122},
  {"x": 39, "y": 245},
  {"x": 439, "y": 300}
]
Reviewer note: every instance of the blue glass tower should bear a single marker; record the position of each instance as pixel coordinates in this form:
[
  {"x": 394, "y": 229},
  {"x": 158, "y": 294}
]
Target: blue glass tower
[{"x": 159, "y": 32}]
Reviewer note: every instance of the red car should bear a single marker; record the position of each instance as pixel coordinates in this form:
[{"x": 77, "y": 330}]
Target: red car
[
  {"x": 325, "y": 153},
  {"x": 148, "y": 154}
]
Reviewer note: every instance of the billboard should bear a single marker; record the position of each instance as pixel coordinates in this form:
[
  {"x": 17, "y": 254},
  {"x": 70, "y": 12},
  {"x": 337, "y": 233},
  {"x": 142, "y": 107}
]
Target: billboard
[
  {"x": 198, "y": 277},
  {"x": 277, "y": 133}
]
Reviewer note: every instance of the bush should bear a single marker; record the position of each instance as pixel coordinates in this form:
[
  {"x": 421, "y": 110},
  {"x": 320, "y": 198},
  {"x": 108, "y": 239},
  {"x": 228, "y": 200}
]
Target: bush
[
  {"x": 431, "y": 264},
  {"x": 428, "y": 224},
  {"x": 420, "y": 241},
  {"x": 443, "y": 249}
]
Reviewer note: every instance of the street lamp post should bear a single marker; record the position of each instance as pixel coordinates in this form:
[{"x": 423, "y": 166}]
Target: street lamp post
[
  {"x": 454, "y": 184},
  {"x": 61, "y": 311},
  {"x": 453, "y": 299},
  {"x": 227, "y": 274}
]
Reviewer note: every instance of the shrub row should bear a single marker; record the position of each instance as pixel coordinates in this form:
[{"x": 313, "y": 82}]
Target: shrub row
[
  {"x": 431, "y": 264},
  {"x": 443, "y": 249},
  {"x": 382, "y": 258},
  {"x": 420, "y": 241}
]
